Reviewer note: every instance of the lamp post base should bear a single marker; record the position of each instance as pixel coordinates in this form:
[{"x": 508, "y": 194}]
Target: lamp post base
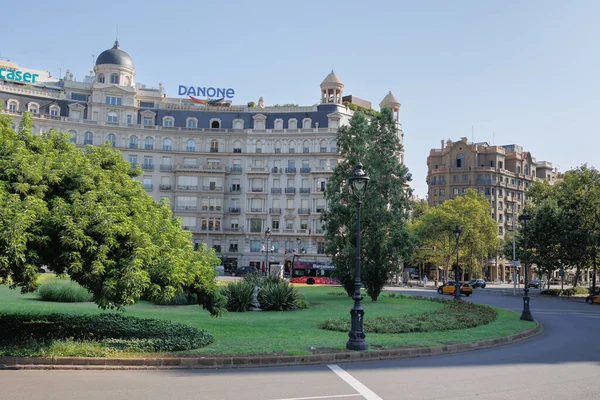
[
  {"x": 356, "y": 335},
  {"x": 526, "y": 314},
  {"x": 457, "y": 294}
]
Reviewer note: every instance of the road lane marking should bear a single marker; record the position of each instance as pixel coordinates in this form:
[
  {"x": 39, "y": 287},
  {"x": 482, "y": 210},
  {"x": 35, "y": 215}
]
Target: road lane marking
[
  {"x": 335, "y": 396},
  {"x": 352, "y": 381}
]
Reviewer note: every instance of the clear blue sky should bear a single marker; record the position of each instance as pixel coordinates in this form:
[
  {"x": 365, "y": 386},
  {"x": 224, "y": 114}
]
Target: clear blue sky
[{"x": 522, "y": 72}]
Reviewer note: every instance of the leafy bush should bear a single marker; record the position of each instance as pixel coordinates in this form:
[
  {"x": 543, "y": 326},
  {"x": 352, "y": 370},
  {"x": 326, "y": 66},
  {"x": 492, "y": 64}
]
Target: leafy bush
[
  {"x": 114, "y": 330},
  {"x": 64, "y": 292},
  {"x": 181, "y": 299},
  {"x": 566, "y": 292},
  {"x": 281, "y": 296},
  {"x": 240, "y": 296},
  {"x": 454, "y": 315}
]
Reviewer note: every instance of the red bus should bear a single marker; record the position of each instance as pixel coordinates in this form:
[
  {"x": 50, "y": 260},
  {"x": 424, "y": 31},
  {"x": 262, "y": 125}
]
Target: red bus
[{"x": 313, "y": 273}]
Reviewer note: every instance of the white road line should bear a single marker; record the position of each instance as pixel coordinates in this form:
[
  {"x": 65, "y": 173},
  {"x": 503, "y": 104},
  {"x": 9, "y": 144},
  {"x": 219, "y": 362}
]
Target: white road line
[
  {"x": 335, "y": 396},
  {"x": 352, "y": 381}
]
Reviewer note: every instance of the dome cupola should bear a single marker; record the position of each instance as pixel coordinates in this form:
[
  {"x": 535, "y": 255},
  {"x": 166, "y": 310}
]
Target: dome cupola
[
  {"x": 332, "y": 89},
  {"x": 115, "y": 56}
]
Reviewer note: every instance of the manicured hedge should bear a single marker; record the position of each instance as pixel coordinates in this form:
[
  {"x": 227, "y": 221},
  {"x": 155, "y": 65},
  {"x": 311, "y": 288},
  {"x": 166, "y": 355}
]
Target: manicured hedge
[
  {"x": 454, "y": 315},
  {"x": 115, "y": 330},
  {"x": 566, "y": 292},
  {"x": 70, "y": 292}
]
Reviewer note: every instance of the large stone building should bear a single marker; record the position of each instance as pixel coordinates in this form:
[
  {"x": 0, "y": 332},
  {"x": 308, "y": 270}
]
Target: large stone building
[
  {"x": 229, "y": 171},
  {"x": 502, "y": 173}
]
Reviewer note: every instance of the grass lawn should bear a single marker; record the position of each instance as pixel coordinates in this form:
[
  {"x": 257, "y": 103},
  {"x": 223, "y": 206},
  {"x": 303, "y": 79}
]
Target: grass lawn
[{"x": 290, "y": 332}]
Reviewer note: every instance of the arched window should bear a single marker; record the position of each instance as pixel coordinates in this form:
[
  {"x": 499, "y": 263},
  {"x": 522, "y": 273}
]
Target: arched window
[
  {"x": 215, "y": 124},
  {"x": 238, "y": 124},
  {"x": 114, "y": 78},
  {"x": 278, "y": 124},
  {"x": 88, "y": 138},
  {"x": 54, "y": 111},
  {"x": 167, "y": 144},
  {"x": 258, "y": 146},
  {"x": 168, "y": 122},
  {"x": 13, "y": 105},
  {"x": 112, "y": 118},
  {"x": 112, "y": 139},
  {"x": 237, "y": 146},
  {"x": 133, "y": 142},
  {"x": 101, "y": 78},
  {"x": 127, "y": 81},
  {"x": 460, "y": 161},
  {"x": 306, "y": 146},
  {"x": 323, "y": 146},
  {"x": 292, "y": 146},
  {"x": 191, "y": 145},
  {"x": 149, "y": 143},
  {"x": 192, "y": 123},
  {"x": 33, "y": 108},
  {"x": 214, "y": 146},
  {"x": 73, "y": 138},
  {"x": 293, "y": 123},
  {"x": 306, "y": 123},
  {"x": 277, "y": 146}
]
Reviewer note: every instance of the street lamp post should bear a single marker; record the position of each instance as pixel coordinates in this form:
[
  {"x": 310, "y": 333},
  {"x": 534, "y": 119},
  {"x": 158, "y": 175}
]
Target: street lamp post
[
  {"x": 526, "y": 314},
  {"x": 358, "y": 184},
  {"x": 457, "y": 232},
  {"x": 296, "y": 254},
  {"x": 268, "y": 236}
]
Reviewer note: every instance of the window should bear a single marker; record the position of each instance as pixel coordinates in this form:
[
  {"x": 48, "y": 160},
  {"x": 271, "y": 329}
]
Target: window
[
  {"x": 214, "y": 146},
  {"x": 215, "y": 124},
  {"x": 455, "y": 191},
  {"x": 191, "y": 145},
  {"x": 255, "y": 225},
  {"x": 147, "y": 184},
  {"x": 500, "y": 164},
  {"x": 238, "y": 124},
  {"x": 33, "y": 108},
  {"x": 191, "y": 123},
  {"x": 293, "y": 123},
  {"x": 113, "y": 118},
  {"x": 323, "y": 146},
  {"x": 518, "y": 169},
  {"x": 442, "y": 180},
  {"x": 13, "y": 105},
  {"x": 133, "y": 160},
  {"x": 275, "y": 223},
  {"x": 112, "y": 139},
  {"x": 129, "y": 119},
  {"x": 434, "y": 180},
  {"x": 454, "y": 178},
  {"x": 465, "y": 177},
  {"x": 147, "y": 104},
  {"x": 88, "y": 138},
  {"x": 73, "y": 138},
  {"x": 442, "y": 192},
  {"x": 258, "y": 146},
  {"x": 487, "y": 191},
  {"x": 101, "y": 78},
  {"x": 114, "y": 79},
  {"x": 278, "y": 124},
  {"x": 113, "y": 100},
  {"x": 149, "y": 143},
  {"x": 306, "y": 122},
  {"x": 54, "y": 111},
  {"x": 237, "y": 146},
  {"x": 292, "y": 147},
  {"x": 133, "y": 142},
  {"x": 460, "y": 160},
  {"x": 320, "y": 247},
  {"x": 255, "y": 246},
  {"x": 79, "y": 96},
  {"x": 491, "y": 163},
  {"x": 168, "y": 122},
  {"x": 167, "y": 144},
  {"x": 148, "y": 121}
]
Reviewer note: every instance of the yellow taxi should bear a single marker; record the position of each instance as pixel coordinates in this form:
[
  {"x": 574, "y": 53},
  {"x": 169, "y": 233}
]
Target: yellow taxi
[
  {"x": 594, "y": 299},
  {"x": 448, "y": 288}
]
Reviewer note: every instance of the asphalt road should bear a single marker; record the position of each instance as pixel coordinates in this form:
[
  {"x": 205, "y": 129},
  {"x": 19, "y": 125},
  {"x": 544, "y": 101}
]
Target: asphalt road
[{"x": 561, "y": 363}]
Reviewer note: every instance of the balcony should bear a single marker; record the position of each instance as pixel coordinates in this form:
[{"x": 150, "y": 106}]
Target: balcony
[
  {"x": 235, "y": 210},
  {"x": 147, "y": 186},
  {"x": 167, "y": 148},
  {"x": 290, "y": 170},
  {"x": 258, "y": 170},
  {"x": 304, "y": 190},
  {"x": 88, "y": 141},
  {"x": 214, "y": 149},
  {"x": 320, "y": 209},
  {"x": 304, "y": 211},
  {"x": 235, "y": 189},
  {"x": 257, "y": 190},
  {"x": 275, "y": 190},
  {"x": 133, "y": 145},
  {"x": 187, "y": 208},
  {"x": 277, "y": 151},
  {"x": 164, "y": 187},
  {"x": 256, "y": 210},
  {"x": 166, "y": 167},
  {"x": 276, "y": 170},
  {"x": 236, "y": 169},
  {"x": 190, "y": 149},
  {"x": 212, "y": 188},
  {"x": 233, "y": 249},
  {"x": 187, "y": 187},
  {"x": 148, "y": 147},
  {"x": 148, "y": 167},
  {"x": 237, "y": 150},
  {"x": 274, "y": 210},
  {"x": 290, "y": 190},
  {"x": 305, "y": 170}
]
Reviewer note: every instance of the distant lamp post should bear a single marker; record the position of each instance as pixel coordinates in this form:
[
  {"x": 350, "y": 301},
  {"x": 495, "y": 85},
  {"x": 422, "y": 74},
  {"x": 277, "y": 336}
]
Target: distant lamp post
[
  {"x": 296, "y": 254},
  {"x": 268, "y": 236},
  {"x": 526, "y": 314},
  {"x": 358, "y": 184},
  {"x": 457, "y": 232}
]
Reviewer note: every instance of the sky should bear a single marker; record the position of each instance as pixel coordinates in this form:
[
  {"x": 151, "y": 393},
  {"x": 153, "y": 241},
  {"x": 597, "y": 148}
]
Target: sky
[{"x": 513, "y": 71}]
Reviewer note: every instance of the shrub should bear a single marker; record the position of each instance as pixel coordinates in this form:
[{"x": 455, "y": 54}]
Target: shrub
[
  {"x": 281, "y": 296},
  {"x": 181, "y": 299},
  {"x": 64, "y": 292},
  {"x": 114, "y": 330},
  {"x": 240, "y": 296},
  {"x": 566, "y": 292},
  {"x": 454, "y": 315}
]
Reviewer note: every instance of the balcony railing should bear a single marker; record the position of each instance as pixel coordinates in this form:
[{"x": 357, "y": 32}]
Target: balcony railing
[
  {"x": 147, "y": 186},
  {"x": 305, "y": 170},
  {"x": 304, "y": 190},
  {"x": 236, "y": 169},
  {"x": 187, "y": 187},
  {"x": 214, "y": 149},
  {"x": 167, "y": 148},
  {"x": 148, "y": 167},
  {"x": 274, "y": 210},
  {"x": 164, "y": 187},
  {"x": 290, "y": 190},
  {"x": 213, "y": 188},
  {"x": 304, "y": 211},
  {"x": 88, "y": 141},
  {"x": 257, "y": 190},
  {"x": 190, "y": 149},
  {"x": 133, "y": 145},
  {"x": 276, "y": 170},
  {"x": 275, "y": 190},
  {"x": 149, "y": 147},
  {"x": 166, "y": 167},
  {"x": 235, "y": 189},
  {"x": 187, "y": 208},
  {"x": 256, "y": 210},
  {"x": 290, "y": 170},
  {"x": 235, "y": 210},
  {"x": 233, "y": 249}
]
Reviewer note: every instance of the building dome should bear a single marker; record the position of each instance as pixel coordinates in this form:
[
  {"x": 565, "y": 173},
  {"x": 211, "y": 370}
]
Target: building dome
[
  {"x": 115, "y": 56},
  {"x": 332, "y": 80},
  {"x": 390, "y": 101}
]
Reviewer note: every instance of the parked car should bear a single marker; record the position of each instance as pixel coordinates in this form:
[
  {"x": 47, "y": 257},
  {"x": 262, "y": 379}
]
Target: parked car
[
  {"x": 593, "y": 299},
  {"x": 448, "y": 288},
  {"x": 241, "y": 271},
  {"x": 475, "y": 283},
  {"x": 536, "y": 283}
]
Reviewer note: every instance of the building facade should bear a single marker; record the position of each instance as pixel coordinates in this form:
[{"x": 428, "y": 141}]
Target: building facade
[
  {"x": 229, "y": 171},
  {"x": 502, "y": 173}
]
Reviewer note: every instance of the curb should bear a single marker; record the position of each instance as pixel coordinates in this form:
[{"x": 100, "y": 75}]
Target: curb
[{"x": 92, "y": 363}]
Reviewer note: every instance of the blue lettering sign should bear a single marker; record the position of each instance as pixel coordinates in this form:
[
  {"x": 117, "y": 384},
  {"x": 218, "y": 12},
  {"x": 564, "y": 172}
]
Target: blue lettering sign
[
  {"x": 184, "y": 90},
  {"x": 17, "y": 76}
]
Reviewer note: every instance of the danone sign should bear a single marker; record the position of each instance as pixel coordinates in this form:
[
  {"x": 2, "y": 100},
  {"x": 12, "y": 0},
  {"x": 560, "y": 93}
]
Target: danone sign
[
  {"x": 17, "y": 76},
  {"x": 217, "y": 94}
]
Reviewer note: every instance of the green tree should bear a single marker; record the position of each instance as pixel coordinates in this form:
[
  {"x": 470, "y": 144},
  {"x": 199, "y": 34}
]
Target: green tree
[
  {"x": 81, "y": 213},
  {"x": 386, "y": 239}
]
